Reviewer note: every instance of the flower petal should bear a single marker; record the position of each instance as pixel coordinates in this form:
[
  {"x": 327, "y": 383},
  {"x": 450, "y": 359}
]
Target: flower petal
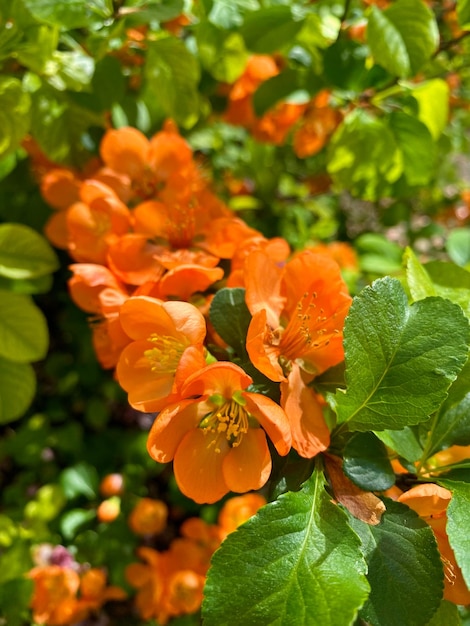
[
  {"x": 198, "y": 467},
  {"x": 263, "y": 354},
  {"x": 248, "y": 466},
  {"x": 169, "y": 428},
  {"x": 272, "y": 418}
]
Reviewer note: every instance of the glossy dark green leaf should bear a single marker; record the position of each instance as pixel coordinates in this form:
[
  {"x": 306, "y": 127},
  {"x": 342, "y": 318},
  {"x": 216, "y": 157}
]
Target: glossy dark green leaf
[
  {"x": 404, "y": 442},
  {"x": 296, "y": 562},
  {"x": 230, "y": 317},
  {"x": 405, "y": 569},
  {"x": 400, "y": 359},
  {"x": 366, "y": 463},
  {"x": 452, "y": 426},
  {"x": 403, "y": 36}
]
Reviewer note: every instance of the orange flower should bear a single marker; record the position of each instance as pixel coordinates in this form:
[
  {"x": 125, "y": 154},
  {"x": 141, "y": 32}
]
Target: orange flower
[
  {"x": 238, "y": 510},
  {"x": 296, "y": 333},
  {"x": 430, "y": 501},
  {"x": 318, "y": 124},
  {"x": 240, "y": 108},
  {"x": 215, "y": 438},
  {"x": 108, "y": 510},
  {"x": 54, "y": 599},
  {"x": 112, "y": 485},
  {"x": 148, "y": 517},
  {"x": 274, "y": 125},
  {"x": 342, "y": 252},
  {"x": 167, "y": 347},
  {"x": 94, "y": 592}
]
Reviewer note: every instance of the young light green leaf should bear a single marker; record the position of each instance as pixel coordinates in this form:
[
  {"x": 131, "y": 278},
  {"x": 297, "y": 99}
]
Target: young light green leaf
[
  {"x": 419, "y": 282},
  {"x": 417, "y": 146},
  {"x": 432, "y": 97},
  {"x": 400, "y": 359},
  {"x": 403, "y": 37},
  {"x": 451, "y": 282},
  {"x": 405, "y": 569},
  {"x": 70, "y": 14},
  {"x": 296, "y": 562},
  {"x": 14, "y": 114},
  {"x": 80, "y": 480},
  {"x": 463, "y": 13},
  {"x": 222, "y": 53},
  {"x": 446, "y": 615},
  {"x": 363, "y": 156},
  {"x": 24, "y": 253},
  {"x": 24, "y": 336},
  {"x": 458, "y": 246},
  {"x": 17, "y": 389},
  {"x": 458, "y": 516}
]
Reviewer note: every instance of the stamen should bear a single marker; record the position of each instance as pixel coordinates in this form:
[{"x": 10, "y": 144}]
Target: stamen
[
  {"x": 165, "y": 354},
  {"x": 229, "y": 421}
]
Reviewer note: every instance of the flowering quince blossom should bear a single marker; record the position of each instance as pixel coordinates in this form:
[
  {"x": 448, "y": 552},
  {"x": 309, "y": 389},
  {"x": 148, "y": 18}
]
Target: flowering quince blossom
[
  {"x": 167, "y": 346},
  {"x": 296, "y": 333},
  {"x": 214, "y": 435},
  {"x": 430, "y": 502}
]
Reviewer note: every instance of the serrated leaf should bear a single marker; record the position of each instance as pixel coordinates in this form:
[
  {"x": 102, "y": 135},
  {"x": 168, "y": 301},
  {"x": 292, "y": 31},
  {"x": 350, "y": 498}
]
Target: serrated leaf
[
  {"x": 24, "y": 253},
  {"x": 403, "y": 37},
  {"x": 363, "y": 156},
  {"x": 270, "y": 29},
  {"x": 296, "y": 562},
  {"x": 172, "y": 76},
  {"x": 24, "y": 336},
  {"x": 400, "y": 359},
  {"x": 14, "y": 114},
  {"x": 458, "y": 516},
  {"x": 17, "y": 389},
  {"x": 417, "y": 146},
  {"x": 405, "y": 569},
  {"x": 230, "y": 317},
  {"x": 366, "y": 463}
]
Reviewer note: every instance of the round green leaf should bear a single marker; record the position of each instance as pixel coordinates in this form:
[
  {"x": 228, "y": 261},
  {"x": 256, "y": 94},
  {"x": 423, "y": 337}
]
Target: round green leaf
[
  {"x": 24, "y": 253},
  {"x": 17, "y": 389},
  {"x": 366, "y": 463},
  {"x": 24, "y": 336}
]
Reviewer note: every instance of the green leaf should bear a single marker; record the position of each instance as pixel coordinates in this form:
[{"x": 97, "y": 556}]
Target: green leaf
[
  {"x": 270, "y": 29},
  {"x": 452, "y": 426},
  {"x": 15, "y": 598},
  {"x": 24, "y": 253},
  {"x": 229, "y": 13},
  {"x": 73, "y": 520},
  {"x": 172, "y": 77},
  {"x": 366, "y": 463},
  {"x": 403, "y": 37},
  {"x": 48, "y": 502},
  {"x": 463, "y": 13},
  {"x": 70, "y": 14},
  {"x": 446, "y": 615},
  {"x": 400, "y": 359},
  {"x": 458, "y": 514},
  {"x": 14, "y": 114},
  {"x": 17, "y": 389},
  {"x": 108, "y": 82},
  {"x": 405, "y": 569},
  {"x": 419, "y": 281},
  {"x": 432, "y": 97},
  {"x": 24, "y": 336},
  {"x": 230, "y": 317},
  {"x": 404, "y": 442},
  {"x": 80, "y": 480},
  {"x": 296, "y": 562},
  {"x": 458, "y": 246},
  {"x": 451, "y": 282},
  {"x": 278, "y": 88},
  {"x": 363, "y": 156},
  {"x": 222, "y": 53},
  {"x": 417, "y": 146}
]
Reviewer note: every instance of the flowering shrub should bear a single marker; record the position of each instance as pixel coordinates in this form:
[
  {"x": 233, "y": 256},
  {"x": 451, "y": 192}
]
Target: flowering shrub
[{"x": 254, "y": 404}]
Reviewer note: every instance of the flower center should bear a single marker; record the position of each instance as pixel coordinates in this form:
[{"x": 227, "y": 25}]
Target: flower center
[
  {"x": 165, "y": 354},
  {"x": 229, "y": 420}
]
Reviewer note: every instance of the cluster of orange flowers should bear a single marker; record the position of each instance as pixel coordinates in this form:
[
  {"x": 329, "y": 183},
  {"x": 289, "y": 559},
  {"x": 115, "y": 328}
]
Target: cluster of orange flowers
[
  {"x": 152, "y": 244},
  {"x": 170, "y": 583},
  {"x": 312, "y": 122}
]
